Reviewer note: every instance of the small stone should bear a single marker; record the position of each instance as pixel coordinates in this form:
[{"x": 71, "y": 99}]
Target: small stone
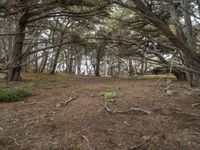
[{"x": 1, "y": 129}]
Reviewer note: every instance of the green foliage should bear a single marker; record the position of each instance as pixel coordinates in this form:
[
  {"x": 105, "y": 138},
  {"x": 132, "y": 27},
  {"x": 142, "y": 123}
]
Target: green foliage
[
  {"x": 75, "y": 147},
  {"x": 13, "y": 94},
  {"x": 54, "y": 147},
  {"x": 109, "y": 95},
  {"x": 151, "y": 76}
]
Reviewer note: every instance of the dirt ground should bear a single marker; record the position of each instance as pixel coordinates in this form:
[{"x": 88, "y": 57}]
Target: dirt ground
[{"x": 44, "y": 122}]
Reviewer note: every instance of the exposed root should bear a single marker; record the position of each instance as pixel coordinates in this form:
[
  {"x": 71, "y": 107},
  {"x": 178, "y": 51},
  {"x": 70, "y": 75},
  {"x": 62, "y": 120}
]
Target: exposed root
[
  {"x": 140, "y": 145},
  {"x": 127, "y": 111}
]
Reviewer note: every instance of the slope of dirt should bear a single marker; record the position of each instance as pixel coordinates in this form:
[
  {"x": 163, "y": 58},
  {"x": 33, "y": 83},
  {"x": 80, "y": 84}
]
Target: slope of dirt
[{"x": 44, "y": 122}]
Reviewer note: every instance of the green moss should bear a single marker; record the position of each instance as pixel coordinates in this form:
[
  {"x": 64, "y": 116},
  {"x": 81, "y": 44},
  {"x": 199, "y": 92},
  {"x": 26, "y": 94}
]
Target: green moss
[
  {"x": 151, "y": 76},
  {"x": 109, "y": 95}
]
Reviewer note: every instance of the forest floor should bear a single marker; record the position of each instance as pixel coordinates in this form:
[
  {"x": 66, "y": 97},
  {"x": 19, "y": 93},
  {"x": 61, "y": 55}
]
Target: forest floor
[{"x": 47, "y": 120}]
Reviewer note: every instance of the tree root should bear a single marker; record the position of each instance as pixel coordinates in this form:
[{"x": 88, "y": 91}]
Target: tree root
[{"x": 126, "y": 111}]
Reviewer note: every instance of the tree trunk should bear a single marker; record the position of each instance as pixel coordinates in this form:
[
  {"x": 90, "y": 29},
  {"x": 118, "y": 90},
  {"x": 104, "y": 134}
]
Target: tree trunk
[
  {"x": 176, "y": 22},
  {"x": 181, "y": 76},
  {"x": 55, "y": 61},
  {"x": 16, "y": 52},
  {"x": 198, "y": 3},
  {"x": 191, "y": 57},
  {"x": 78, "y": 64},
  {"x": 98, "y": 60},
  {"x": 44, "y": 62},
  {"x": 69, "y": 68},
  {"x": 131, "y": 70},
  {"x": 189, "y": 36}
]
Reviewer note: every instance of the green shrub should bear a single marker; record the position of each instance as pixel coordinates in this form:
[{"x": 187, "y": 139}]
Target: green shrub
[
  {"x": 13, "y": 94},
  {"x": 109, "y": 95}
]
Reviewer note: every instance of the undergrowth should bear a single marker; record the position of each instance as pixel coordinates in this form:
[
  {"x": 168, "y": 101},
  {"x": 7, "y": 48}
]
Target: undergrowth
[
  {"x": 11, "y": 94},
  {"x": 109, "y": 95}
]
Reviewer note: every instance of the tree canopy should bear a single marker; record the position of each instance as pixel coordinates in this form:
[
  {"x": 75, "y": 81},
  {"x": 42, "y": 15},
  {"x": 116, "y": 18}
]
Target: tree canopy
[{"x": 100, "y": 37}]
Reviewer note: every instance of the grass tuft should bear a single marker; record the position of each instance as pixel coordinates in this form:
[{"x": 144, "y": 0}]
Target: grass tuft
[{"x": 109, "y": 95}]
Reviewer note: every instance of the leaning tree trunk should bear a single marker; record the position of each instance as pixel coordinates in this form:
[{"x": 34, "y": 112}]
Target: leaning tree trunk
[
  {"x": 44, "y": 61},
  {"x": 191, "y": 56},
  {"x": 190, "y": 38},
  {"x": 16, "y": 51}
]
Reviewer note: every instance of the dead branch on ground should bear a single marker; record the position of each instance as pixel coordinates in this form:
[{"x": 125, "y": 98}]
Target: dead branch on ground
[
  {"x": 66, "y": 102},
  {"x": 195, "y": 104},
  {"x": 126, "y": 111}
]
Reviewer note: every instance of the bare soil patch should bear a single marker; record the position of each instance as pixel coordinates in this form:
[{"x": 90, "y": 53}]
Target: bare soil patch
[{"x": 45, "y": 121}]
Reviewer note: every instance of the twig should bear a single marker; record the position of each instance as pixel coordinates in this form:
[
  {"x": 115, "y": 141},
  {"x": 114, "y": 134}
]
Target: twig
[
  {"x": 140, "y": 145},
  {"x": 15, "y": 140},
  {"x": 126, "y": 111},
  {"x": 70, "y": 99},
  {"x": 29, "y": 123},
  {"x": 195, "y": 104},
  {"x": 88, "y": 142},
  {"x": 66, "y": 102}
]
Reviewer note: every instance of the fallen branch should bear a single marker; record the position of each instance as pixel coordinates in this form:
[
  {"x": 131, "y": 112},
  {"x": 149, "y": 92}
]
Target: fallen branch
[
  {"x": 195, "y": 104},
  {"x": 66, "y": 102},
  {"x": 140, "y": 145},
  {"x": 15, "y": 140},
  {"x": 126, "y": 111},
  {"x": 88, "y": 142},
  {"x": 29, "y": 123}
]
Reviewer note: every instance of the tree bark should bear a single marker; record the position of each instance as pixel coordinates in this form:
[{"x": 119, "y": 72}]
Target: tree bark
[
  {"x": 44, "y": 62},
  {"x": 198, "y": 3},
  {"x": 55, "y": 61},
  {"x": 131, "y": 69},
  {"x": 16, "y": 52},
  {"x": 98, "y": 60},
  {"x": 176, "y": 22}
]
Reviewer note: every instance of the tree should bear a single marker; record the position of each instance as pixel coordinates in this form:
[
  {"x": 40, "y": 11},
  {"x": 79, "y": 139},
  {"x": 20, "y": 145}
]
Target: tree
[{"x": 191, "y": 57}]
